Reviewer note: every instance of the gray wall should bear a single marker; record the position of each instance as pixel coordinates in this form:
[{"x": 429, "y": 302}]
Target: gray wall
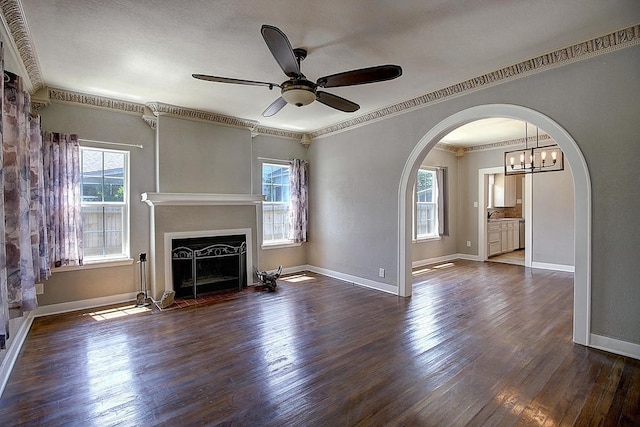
[
  {"x": 553, "y": 225},
  {"x": 597, "y": 103},
  {"x": 198, "y": 157}
]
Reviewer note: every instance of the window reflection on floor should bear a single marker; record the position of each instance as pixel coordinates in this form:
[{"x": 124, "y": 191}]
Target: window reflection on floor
[
  {"x": 296, "y": 278},
  {"x": 115, "y": 312}
]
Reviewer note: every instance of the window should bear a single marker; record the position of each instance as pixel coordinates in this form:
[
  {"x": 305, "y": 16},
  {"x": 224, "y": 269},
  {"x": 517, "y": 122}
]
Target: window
[
  {"x": 426, "y": 205},
  {"x": 275, "y": 208},
  {"x": 105, "y": 207}
]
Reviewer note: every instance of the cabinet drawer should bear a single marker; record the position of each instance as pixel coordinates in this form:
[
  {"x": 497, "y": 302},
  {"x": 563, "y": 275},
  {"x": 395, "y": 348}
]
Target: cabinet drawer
[
  {"x": 494, "y": 237},
  {"x": 495, "y": 248}
]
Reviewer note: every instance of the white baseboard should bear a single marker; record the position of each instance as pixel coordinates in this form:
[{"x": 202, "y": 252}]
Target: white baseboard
[
  {"x": 613, "y": 345},
  {"x": 14, "y": 349},
  {"x": 372, "y": 284},
  {"x": 556, "y": 267},
  {"x": 468, "y": 257},
  {"x": 65, "y": 307}
]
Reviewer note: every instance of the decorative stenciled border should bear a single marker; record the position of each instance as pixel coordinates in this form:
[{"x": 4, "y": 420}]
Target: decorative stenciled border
[
  {"x": 461, "y": 151},
  {"x": 160, "y": 108},
  {"x": 264, "y": 130},
  {"x": 613, "y": 41},
  {"x": 62, "y": 95}
]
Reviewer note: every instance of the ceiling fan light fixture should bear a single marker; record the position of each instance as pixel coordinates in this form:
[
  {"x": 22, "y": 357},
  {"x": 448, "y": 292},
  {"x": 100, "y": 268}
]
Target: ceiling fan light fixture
[{"x": 298, "y": 96}]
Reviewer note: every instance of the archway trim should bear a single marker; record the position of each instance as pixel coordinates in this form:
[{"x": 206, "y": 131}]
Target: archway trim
[{"x": 582, "y": 188}]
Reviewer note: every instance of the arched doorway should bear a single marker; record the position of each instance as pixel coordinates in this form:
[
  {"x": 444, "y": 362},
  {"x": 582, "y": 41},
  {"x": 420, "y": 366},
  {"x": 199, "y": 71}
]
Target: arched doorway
[{"x": 582, "y": 186}]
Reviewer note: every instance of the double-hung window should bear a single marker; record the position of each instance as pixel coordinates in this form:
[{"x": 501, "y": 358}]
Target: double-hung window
[
  {"x": 105, "y": 204},
  {"x": 426, "y": 205},
  {"x": 275, "y": 208}
]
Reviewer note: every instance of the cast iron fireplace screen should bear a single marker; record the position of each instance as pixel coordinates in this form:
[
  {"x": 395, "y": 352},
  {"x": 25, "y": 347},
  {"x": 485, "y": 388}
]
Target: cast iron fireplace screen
[{"x": 208, "y": 264}]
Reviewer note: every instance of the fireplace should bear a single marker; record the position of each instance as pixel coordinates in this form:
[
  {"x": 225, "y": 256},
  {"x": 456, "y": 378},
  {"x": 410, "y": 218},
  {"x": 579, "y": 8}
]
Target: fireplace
[
  {"x": 208, "y": 264},
  {"x": 198, "y": 215}
]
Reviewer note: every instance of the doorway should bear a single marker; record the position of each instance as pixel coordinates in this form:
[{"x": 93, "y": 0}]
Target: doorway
[
  {"x": 582, "y": 247},
  {"x": 520, "y": 255}
]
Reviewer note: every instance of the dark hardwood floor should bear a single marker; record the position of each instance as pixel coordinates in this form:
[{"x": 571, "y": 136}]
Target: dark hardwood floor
[{"x": 477, "y": 344}]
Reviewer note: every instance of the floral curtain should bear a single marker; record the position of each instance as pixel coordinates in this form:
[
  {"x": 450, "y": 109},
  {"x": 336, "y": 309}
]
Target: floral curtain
[
  {"x": 443, "y": 201},
  {"x": 298, "y": 212},
  {"x": 40, "y": 203},
  {"x": 62, "y": 192},
  {"x": 22, "y": 208},
  {"x": 4, "y": 306}
]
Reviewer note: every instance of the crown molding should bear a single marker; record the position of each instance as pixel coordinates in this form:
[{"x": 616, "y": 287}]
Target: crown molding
[
  {"x": 159, "y": 108},
  {"x": 502, "y": 144},
  {"x": 282, "y": 133},
  {"x": 616, "y": 40},
  {"x": 461, "y": 151},
  {"x": 67, "y": 96},
  {"x": 17, "y": 25}
]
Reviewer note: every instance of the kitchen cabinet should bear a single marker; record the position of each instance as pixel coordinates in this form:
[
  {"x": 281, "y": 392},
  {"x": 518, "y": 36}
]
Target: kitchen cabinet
[
  {"x": 503, "y": 236},
  {"x": 494, "y": 239},
  {"x": 504, "y": 191}
]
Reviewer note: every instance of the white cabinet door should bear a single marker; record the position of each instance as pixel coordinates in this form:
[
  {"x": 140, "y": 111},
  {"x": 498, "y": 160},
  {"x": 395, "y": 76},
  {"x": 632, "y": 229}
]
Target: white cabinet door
[
  {"x": 504, "y": 191},
  {"x": 504, "y": 236}
]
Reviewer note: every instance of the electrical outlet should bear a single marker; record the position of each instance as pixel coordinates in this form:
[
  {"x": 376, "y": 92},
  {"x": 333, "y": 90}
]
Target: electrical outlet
[
  {"x": 468, "y": 243},
  {"x": 475, "y": 204},
  {"x": 39, "y": 288},
  {"x": 381, "y": 272}
]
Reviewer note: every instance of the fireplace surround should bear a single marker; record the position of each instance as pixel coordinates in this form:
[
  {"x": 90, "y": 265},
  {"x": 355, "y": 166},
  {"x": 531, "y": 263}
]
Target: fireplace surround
[{"x": 198, "y": 215}]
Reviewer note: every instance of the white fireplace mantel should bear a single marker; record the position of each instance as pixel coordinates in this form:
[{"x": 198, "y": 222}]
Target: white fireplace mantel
[{"x": 200, "y": 199}]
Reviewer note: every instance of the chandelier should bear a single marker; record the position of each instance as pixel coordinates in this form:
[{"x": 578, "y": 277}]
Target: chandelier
[{"x": 548, "y": 158}]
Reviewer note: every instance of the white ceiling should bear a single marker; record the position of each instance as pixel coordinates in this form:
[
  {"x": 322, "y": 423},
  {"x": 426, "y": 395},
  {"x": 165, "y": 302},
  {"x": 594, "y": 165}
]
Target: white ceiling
[{"x": 146, "y": 50}]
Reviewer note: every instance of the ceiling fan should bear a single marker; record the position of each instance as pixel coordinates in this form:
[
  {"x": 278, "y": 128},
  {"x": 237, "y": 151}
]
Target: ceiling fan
[{"x": 298, "y": 90}]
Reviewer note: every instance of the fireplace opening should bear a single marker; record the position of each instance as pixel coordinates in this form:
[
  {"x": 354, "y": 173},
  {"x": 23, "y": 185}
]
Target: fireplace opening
[{"x": 208, "y": 264}]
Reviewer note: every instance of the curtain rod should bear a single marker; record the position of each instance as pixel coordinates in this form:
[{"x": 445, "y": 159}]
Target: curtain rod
[
  {"x": 273, "y": 160},
  {"x": 110, "y": 143}
]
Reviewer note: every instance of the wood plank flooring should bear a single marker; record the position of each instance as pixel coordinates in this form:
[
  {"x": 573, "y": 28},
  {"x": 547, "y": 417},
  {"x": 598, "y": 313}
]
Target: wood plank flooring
[{"x": 477, "y": 344}]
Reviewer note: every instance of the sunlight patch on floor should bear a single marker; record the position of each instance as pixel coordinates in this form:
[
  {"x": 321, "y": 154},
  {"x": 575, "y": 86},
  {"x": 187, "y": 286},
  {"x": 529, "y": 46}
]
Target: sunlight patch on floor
[
  {"x": 297, "y": 278},
  {"x": 445, "y": 265},
  {"x": 112, "y": 313},
  {"x": 430, "y": 268},
  {"x": 422, "y": 270}
]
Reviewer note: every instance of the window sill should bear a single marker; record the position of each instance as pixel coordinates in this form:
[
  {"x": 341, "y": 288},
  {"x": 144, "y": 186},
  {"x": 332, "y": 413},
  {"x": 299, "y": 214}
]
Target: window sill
[
  {"x": 427, "y": 239},
  {"x": 279, "y": 245},
  {"x": 89, "y": 265}
]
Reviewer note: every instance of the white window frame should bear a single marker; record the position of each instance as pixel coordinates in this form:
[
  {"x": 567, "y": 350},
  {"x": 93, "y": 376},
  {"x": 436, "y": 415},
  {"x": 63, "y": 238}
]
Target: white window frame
[
  {"x": 126, "y": 250},
  {"x": 435, "y": 235},
  {"x": 274, "y": 243}
]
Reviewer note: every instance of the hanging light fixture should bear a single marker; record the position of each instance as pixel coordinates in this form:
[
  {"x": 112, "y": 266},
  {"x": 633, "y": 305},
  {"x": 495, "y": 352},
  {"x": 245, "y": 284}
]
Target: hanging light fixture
[{"x": 535, "y": 159}]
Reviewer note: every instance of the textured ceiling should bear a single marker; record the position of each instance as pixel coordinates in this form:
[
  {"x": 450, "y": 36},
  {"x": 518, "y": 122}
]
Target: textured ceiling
[{"x": 146, "y": 50}]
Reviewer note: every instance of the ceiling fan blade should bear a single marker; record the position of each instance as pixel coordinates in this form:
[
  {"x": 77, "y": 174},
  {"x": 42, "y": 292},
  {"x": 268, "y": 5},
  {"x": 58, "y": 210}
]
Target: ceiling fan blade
[
  {"x": 358, "y": 77},
  {"x": 337, "y": 102},
  {"x": 235, "y": 81},
  {"x": 281, "y": 49},
  {"x": 274, "y": 107}
]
